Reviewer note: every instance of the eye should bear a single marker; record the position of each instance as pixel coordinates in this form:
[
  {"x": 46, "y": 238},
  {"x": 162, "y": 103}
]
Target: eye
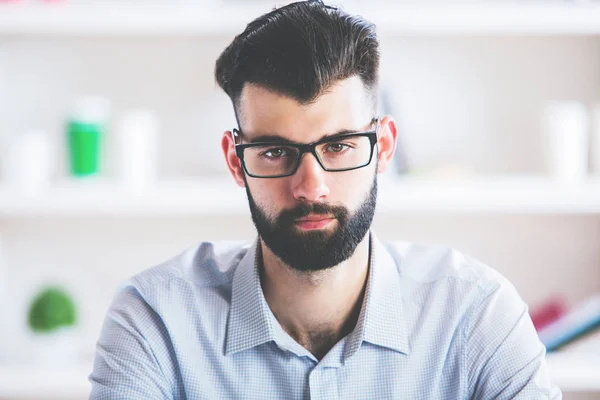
[
  {"x": 277, "y": 152},
  {"x": 336, "y": 147}
]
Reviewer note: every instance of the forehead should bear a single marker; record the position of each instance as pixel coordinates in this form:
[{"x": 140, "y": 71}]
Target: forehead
[{"x": 346, "y": 105}]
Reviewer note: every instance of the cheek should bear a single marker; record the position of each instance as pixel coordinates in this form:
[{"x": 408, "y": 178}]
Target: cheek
[
  {"x": 351, "y": 188},
  {"x": 271, "y": 195}
]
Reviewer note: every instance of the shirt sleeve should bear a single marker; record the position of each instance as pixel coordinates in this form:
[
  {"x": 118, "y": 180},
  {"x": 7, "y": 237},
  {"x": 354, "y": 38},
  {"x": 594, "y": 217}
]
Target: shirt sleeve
[
  {"x": 132, "y": 343},
  {"x": 504, "y": 355}
]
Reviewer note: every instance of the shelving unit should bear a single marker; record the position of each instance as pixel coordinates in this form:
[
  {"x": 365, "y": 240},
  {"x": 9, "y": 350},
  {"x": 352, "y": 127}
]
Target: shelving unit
[
  {"x": 60, "y": 32},
  {"x": 553, "y": 18}
]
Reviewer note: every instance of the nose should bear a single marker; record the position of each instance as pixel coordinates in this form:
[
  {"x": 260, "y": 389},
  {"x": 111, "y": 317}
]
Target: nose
[{"x": 308, "y": 183}]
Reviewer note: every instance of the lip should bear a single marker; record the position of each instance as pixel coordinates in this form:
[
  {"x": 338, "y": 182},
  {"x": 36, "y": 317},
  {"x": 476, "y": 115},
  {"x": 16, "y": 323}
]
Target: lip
[{"x": 313, "y": 222}]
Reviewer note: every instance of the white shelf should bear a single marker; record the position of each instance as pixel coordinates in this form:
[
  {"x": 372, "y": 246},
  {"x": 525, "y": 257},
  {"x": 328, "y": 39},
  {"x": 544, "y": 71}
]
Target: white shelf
[
  {"x": 574, "y": 372},
  {"x": 499, "y": 195},
  {"x": 20, "y": 382},
  {"x": 120, "y": 18},
  {"x": 221, "y": 196},
  {"x": 103, "y": 198},
  {"x": 571, "y": 372}
]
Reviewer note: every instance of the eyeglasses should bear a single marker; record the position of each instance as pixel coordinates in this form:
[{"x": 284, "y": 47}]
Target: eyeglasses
[{"x": 338, "y": 153}]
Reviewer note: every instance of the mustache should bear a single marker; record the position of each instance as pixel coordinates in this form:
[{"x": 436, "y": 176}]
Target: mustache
[{"x": 287, "y": 217}]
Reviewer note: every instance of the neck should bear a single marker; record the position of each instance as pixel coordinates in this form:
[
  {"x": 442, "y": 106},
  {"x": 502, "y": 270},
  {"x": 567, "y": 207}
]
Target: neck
[{"x": 316, "y": 308}]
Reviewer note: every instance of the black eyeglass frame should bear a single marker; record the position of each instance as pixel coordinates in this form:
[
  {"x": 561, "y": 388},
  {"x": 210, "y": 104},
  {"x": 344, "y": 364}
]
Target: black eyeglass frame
[{"x": 305, "y": 148}]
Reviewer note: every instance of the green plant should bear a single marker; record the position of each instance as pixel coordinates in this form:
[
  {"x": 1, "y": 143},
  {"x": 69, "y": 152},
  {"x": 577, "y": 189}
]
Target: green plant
[{"x": 50, "y": 310}]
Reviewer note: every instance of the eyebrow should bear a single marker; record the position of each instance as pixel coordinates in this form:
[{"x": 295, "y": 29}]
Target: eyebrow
[{"x": 274, "y": 138}]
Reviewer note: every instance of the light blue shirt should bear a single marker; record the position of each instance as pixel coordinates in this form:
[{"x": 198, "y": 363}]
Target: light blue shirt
[{"x": 434, "y": 324}]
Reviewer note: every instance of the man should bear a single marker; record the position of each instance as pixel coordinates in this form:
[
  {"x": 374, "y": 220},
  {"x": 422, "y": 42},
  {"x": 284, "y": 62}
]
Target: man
[{"x": 317, "y": 307}]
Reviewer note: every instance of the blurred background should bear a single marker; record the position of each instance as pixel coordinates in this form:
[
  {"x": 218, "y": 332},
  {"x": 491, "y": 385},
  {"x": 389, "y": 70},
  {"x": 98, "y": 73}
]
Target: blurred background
[{"x": 110, "y": 124}]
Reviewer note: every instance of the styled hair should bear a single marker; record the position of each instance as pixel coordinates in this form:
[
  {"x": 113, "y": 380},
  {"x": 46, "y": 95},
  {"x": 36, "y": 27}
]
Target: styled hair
[{"x": 299, "y": 51}]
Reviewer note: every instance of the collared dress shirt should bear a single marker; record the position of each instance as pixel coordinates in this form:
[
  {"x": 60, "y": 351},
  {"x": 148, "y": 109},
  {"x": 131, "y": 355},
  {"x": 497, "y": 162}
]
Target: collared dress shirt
[{"x": 434, "y": 324}]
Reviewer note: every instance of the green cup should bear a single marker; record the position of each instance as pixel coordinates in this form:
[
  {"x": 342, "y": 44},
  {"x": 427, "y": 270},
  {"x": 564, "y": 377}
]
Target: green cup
[{"x": 84, "y": 147}]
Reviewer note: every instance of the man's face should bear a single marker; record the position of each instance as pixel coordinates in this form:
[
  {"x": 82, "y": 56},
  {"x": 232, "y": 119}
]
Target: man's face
[{"x": 314, "y": 219}]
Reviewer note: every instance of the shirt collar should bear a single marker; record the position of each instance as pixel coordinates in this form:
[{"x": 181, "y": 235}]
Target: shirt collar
[
  {"x": 381, "y": 321},
  {"x": 249, "y": 323}
]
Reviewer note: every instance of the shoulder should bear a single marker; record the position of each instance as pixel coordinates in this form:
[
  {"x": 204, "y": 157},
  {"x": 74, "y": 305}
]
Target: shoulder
[
  {"x": 434, "y": 275},
  {"x": 205, "y": 265},
  {"x": 427, "y": 264}
]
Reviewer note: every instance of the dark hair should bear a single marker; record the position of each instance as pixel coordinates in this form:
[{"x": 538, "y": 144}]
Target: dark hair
[{"x": 300, "y": 50}]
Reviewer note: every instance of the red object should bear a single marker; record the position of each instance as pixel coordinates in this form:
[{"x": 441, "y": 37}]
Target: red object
[{"x": 548, "y": 312}]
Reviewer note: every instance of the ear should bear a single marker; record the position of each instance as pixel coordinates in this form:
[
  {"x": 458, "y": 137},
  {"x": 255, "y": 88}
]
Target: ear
[
  {"x": 233, "y": 162},
  {"x": 386, "y": 142}
]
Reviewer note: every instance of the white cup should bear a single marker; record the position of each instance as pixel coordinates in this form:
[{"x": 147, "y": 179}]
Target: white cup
[
  {"x": 28, "y": 165},
  {"x": 137, "y": 136},
  {"x": 566, "y": 130}
]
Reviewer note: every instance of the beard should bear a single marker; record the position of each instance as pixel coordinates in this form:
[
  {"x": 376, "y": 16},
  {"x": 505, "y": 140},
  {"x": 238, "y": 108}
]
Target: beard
[{"x": 315, "y": 250}]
